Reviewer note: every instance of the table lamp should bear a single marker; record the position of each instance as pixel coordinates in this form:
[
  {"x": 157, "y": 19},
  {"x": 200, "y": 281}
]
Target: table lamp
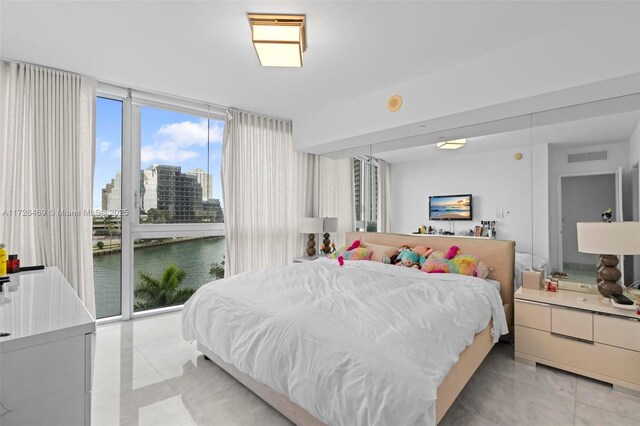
[
  {"x": 330, "y": 224},
  {"x": 609, "y": 240},
  {"x": 311, "y": 226}
]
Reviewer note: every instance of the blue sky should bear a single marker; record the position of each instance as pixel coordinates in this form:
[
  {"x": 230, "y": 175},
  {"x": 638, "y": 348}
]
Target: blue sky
[{"x": 168, "y": 137}]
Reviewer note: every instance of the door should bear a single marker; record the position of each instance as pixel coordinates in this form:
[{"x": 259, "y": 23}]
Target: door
[{"x": 583, "y": 199}]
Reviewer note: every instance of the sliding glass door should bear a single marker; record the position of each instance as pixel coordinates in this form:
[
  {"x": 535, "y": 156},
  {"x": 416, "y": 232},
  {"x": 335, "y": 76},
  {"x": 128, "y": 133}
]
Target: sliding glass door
[{"x": 167, "y": 237}]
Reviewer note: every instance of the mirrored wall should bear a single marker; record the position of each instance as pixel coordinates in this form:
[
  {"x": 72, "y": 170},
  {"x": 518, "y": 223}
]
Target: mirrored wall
[
  {"x": 528, "y": 178},
  {"x": 585, "y": 168}
]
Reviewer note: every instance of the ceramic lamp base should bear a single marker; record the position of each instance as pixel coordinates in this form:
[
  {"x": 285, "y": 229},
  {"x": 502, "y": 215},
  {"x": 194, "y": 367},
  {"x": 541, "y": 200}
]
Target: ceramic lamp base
[
  {"x": 608, "y": 276},
  {"x": 311, "y": 246}
]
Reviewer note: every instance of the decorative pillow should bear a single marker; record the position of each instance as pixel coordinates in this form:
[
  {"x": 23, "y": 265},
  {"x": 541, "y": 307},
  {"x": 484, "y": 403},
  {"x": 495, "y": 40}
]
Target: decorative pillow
[
  {"x": 482, "y": 270},
  {"x": 360, "y": 253},
  {"x": 341, "y": 250},
  {"x": 338, "y": 252},
  {"x": 380, "y": 251},
  {"x": 463, "y": 264}
]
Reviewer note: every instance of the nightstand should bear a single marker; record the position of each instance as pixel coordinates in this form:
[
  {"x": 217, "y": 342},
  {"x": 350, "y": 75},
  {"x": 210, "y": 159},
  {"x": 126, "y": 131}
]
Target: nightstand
[
  {"x": 581, "y": 333},
  {"x": 303, "y": 259}
]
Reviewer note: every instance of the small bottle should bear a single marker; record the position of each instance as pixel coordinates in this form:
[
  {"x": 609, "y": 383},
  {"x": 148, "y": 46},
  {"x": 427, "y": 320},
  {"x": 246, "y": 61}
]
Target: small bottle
[
  {"x": 3, "y": 260},
  {"x": 13, "y": 264}
]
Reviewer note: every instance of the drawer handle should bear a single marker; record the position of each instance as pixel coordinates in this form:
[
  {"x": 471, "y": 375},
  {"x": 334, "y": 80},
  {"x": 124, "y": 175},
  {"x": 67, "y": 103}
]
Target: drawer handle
[
  {"x": 531, "y": 302},
  {"x": 564, "y": 336}
]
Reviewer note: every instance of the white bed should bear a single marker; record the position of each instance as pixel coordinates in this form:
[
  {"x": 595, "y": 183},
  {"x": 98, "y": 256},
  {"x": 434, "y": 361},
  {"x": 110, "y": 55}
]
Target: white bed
[{"x": 367, "y": 343}]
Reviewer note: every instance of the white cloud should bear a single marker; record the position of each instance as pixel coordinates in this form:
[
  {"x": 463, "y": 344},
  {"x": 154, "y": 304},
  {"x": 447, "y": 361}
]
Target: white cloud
[
  {"x": 103, "y": 146},
  {"x": 172, "y": 141}
]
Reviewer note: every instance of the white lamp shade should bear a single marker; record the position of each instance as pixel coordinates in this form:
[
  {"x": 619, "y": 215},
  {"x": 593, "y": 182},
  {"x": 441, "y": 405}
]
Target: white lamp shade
[
  {"x": 609, "y": 238},
  {"x": 330, "y": 224},
  {"x": 310, "y": 225}
]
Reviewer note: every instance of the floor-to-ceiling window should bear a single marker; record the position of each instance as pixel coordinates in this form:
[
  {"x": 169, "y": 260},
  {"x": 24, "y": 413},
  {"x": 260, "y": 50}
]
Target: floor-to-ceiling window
[
  {"x": 159, "y": 222},
  {"x": 107, "y": 207},
  {"x": 179, "y": 198}
]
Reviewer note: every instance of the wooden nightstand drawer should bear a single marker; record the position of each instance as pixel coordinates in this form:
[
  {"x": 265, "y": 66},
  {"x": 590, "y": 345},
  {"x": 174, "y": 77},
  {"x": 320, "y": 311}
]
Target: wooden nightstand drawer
[
  {"x": 614, "y": 331},
  {"x": 571, "y": 322},
  {"x": 533, "y": 315}
]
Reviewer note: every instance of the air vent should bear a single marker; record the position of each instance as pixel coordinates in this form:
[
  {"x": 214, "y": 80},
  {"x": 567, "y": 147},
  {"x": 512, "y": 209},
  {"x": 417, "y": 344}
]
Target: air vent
[{"x": 587, "y": 156}]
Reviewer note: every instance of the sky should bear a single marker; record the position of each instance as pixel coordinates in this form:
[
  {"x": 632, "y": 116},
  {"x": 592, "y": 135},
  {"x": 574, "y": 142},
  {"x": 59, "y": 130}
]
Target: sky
[{"x": 167, "y": 138}]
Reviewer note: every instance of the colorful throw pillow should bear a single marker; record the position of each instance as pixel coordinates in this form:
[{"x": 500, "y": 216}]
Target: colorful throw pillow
[
  {"x": 360, "y": 253},
  {"x": 380, "y": 251},
  {"x": 463, "y": 264},
  {"x": 343, "y": 249}
]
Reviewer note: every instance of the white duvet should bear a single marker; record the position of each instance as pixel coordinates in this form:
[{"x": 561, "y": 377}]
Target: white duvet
[{"x": 363, "y": 344}]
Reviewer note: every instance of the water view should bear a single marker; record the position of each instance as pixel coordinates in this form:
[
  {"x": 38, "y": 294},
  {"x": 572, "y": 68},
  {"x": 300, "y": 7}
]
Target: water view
[{"x": 195, "y": 257}]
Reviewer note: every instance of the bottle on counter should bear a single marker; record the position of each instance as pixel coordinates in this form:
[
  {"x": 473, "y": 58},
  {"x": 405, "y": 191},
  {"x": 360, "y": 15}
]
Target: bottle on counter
[
  {"x": 3, "y": 260},
  {"x": 13, "y": 264}
]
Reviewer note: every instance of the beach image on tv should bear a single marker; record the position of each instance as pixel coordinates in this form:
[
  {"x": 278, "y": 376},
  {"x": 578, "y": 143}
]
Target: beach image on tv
[{"x": 450, "y": 207}]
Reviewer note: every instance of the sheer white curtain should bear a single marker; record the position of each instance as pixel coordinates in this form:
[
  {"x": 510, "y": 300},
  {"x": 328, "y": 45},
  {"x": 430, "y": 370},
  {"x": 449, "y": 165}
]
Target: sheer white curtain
[
  {"x": 264, "y": 184},
  {"x": 333, "y": 190},
  {"x": 384, "y": 191},
  {"x": 46, "y": 170}
]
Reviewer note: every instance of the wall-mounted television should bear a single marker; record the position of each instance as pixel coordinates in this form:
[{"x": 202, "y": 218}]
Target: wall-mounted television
[{"x": 450, "y": 207}]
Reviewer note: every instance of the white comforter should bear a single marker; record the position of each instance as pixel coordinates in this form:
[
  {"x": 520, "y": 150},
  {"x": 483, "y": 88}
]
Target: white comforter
[{"x": 363, "y": 344}]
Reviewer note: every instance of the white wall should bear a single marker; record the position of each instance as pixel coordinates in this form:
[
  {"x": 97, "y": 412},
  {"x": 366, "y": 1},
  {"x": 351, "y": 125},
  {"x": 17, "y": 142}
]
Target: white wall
[
  {"x": 495, "y": 178},
  {"x": 618, "y": 156}
]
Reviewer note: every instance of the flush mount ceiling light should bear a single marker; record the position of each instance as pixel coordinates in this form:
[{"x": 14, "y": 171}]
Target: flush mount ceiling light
[
  {"x": 454, "y": 144},
  {"x": 279, "y": 40}
]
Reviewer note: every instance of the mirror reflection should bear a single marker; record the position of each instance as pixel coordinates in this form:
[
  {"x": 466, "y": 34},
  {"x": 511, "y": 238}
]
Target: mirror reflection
[{"x": 585, "y": 170}]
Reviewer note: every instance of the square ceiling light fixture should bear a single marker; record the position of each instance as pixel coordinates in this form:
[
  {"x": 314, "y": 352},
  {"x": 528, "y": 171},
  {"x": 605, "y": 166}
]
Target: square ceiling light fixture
[
  {"x": 454, "y": 144},
  {"x": 279, "y": 40}
]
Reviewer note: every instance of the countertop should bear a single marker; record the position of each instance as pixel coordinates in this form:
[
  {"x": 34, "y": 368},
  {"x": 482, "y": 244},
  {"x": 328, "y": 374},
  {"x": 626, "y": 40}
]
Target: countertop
[{"x": 40, "y": 306}]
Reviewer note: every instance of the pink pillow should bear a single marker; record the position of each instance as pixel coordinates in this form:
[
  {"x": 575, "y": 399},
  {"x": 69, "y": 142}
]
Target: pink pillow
[
  {"x": 380, "y": 251},
  {"x": 482, "y": 270}
]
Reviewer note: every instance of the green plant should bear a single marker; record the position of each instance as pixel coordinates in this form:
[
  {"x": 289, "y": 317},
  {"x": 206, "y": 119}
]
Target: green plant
[
  {"x": 217, "y": 270},
  {"x": 100, "y": 245},
  {"x": 153, "y": 293}
]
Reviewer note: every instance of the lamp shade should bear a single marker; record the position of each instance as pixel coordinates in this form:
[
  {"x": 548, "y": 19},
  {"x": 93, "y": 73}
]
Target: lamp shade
[
  {"x": 310, "y": 225},
  {"x": 330, "y": 224},
  {"x": 609, "y": 238}
]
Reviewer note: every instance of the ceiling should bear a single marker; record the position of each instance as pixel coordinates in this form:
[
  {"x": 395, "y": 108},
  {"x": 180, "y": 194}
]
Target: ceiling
[{"x": 202, "y": 49}]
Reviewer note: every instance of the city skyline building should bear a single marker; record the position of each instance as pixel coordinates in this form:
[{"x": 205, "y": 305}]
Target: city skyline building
[{"x": 206, "y": 182}]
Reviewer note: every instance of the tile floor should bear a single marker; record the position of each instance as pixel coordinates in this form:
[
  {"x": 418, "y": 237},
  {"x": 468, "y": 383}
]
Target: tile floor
[{"x": 144, "y": 373}]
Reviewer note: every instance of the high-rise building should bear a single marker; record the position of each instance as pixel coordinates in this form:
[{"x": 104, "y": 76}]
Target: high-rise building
[
  {"x": 112, "y": 194},
  {"x": 176, "y": 194},
  {"x": 206, "y": 182}
]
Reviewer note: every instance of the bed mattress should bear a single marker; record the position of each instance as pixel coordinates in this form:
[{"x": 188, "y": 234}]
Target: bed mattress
[{"x": 366, "y": 343}]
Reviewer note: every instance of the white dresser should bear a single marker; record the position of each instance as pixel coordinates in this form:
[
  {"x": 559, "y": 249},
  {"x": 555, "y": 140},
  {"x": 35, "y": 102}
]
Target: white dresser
[
  {"x": 581, "y": 333},
  {"x": 45, "y": 363}
]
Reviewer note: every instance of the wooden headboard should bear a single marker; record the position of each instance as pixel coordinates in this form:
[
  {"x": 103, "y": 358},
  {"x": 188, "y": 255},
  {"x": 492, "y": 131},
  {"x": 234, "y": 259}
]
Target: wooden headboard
[{"x": 499, "y": 254}]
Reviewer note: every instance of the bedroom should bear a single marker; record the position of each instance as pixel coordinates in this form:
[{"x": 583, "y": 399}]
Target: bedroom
[{"x": 158, "y": 118}]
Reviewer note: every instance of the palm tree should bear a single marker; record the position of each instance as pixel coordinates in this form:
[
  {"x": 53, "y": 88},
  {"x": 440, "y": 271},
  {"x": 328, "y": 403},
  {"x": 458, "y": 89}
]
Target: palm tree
[
  {"x": 217, "y": 270},
  {"x": 152, "y": 293}
]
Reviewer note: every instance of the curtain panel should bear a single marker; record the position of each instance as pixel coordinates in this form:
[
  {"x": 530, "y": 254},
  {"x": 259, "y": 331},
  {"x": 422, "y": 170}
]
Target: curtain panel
[
  {"x": 333, "y": 193},
  {"x": 384, "y": 192},
  {"x": 47, "y": 126},
  {"x": 265, "y": 185}
]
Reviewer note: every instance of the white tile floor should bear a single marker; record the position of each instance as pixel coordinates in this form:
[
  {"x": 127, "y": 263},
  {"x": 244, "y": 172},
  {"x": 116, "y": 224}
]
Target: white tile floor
[{"x": 145, "y": 374}]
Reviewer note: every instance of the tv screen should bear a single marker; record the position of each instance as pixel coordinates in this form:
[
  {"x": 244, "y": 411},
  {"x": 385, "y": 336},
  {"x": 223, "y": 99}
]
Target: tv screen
[{"x": 450, "y": 207}]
